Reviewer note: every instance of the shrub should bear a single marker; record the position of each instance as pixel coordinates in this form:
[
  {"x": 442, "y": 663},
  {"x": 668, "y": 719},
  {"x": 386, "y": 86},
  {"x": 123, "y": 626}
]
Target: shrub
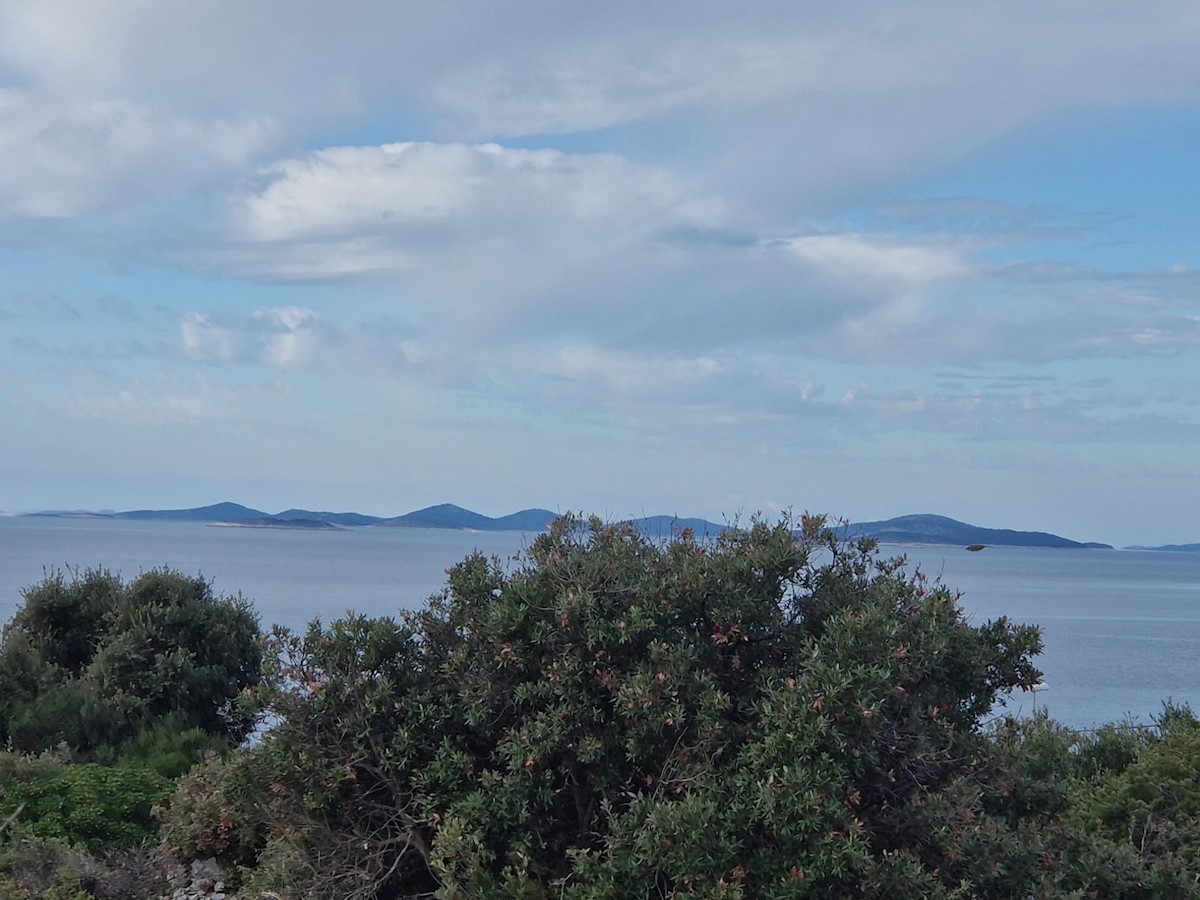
[
  {"x": 39, "y": 869},
  {"x": 770, "y": 714},
  {"x": 167, "y": 746},
  {"x": 66, "y": 618},
  {"x": 1151, "y": 806},
  {"x": 91, "y": 662},
  {"x": 94, "y": 806},
  {"x": 205, "y": 820}
]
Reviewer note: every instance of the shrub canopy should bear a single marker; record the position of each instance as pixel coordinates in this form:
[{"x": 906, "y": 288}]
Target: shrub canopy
[
  {"x": 775, "y": 713},
  {"x": 90, "y": 661}
]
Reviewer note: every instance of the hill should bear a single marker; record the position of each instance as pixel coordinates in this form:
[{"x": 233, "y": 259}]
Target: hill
[
  {"x": 343, "y": 518},
  {"x": 218, "y": 512},
  {"x": 447, "y": 515},
  {"x": 668, "y": 526},
  {"x": 930, "y": 529}
]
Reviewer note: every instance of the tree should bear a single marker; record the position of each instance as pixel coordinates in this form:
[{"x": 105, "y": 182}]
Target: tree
[
  {"x": 773, "y": 713},
  {"x": 90, "y": 661}
]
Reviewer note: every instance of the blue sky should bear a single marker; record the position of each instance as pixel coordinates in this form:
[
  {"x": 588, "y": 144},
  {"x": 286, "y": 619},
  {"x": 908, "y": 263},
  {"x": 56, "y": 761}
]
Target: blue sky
[{"x": 849, "y": 258}]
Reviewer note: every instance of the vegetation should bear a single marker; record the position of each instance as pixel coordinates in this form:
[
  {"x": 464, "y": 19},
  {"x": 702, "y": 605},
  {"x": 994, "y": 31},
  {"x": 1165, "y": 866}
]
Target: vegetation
[
  {"x": 108, "y": 692},
  {"x": 90, "y": 662},
  {"x": 772, "y": 713}
]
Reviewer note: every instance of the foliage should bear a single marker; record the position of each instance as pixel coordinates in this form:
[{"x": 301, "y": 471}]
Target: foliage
[
  {"x": 42, "y": 869},
  {"x": 1149, "y": 809},
  {"x": 66, "y": 619},
  {"x": 321, "y": 806},
  {"x": 107, "y": 692},
  {"x": 771, "y": 714},
  {"x": 763, "y": 715},
  {"x": 70, "y": 831},
  {"x": 49, "y": 869},
  {"x": 90, "y": 662},
  {"x": 95, "y": 806},
  {"x": 205, "y": 820},
  {"x": 1115, "y": 824},
  {"x": 167, "y": 746}
]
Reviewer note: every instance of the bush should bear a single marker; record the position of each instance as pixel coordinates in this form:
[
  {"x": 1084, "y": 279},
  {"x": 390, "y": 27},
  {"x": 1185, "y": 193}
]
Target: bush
[
  {"x": 772, "y": 714},
  {"x": 39, "y": 869},
  {"x": 66, "y": 619},
  {"x": 94, "y": 806},
  {"x": 1151, "y": 806},
  {"x": 205, "y": 820},
  {"x": 167, "y": 746},
  {"x": 91, "y": 662}
]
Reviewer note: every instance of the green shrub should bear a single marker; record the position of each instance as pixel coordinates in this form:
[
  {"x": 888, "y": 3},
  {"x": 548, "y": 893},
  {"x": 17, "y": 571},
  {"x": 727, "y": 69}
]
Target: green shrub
[
  {"x": 181, "y": 652},
  {"x": 70, "y": 713},
  {"x": 1152, "y": 805},
  {"x": 167, "y": 746},
  {"x": 66, "y": 618},
  {"x": 16, "y": 768},
  {"x": 206, "y": 817},
  {"x": 768, "y": 715},
  {"x": 91, "y": 662},
  {"x": 93, "y": 806}
]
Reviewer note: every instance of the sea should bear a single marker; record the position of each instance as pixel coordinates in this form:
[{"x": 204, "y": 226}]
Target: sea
[{"x": 1121, "y": 628}]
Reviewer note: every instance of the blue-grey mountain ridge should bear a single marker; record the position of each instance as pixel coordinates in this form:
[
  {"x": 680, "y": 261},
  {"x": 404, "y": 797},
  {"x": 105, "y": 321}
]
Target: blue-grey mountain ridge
[{"x": 910, "y": 529}]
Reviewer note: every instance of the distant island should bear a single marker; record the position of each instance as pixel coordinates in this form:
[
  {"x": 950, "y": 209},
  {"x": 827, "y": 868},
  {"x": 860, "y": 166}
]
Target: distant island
[
  {"x": 1169, "y": 548},
  {"x": 274, "y": 522},
  {"x": 930, "y": 529},
  {"x": 911, "y": 529}
]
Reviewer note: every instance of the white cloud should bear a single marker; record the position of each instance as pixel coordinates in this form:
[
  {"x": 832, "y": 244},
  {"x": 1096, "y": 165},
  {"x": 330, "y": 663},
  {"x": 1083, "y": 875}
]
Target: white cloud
[
  {"x": 879, "y": 263},
  {"x": 789, "y": 101},
  {"x": 1019, "y": 62},
  {"x": 629, "y": 373},
  {"x": 155, "y": 402},
  {"x": 280, "y": 337},
  {"x": 481, "y": 241},
  {"x": 67, "y": 160},
  {"x": 424, "y": 195},
  {"x": 691, "y": 226},
  {"x": 490, "y": 240}
]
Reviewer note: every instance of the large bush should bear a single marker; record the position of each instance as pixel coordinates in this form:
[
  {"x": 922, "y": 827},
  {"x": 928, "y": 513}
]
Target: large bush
[
  {"x": 90, "y": 662},
  {"x": 773, "y": 714}
]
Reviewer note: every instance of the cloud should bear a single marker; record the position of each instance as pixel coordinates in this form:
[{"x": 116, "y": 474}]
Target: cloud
[
  {"x": 483, "y": 241},
  {"x": 279, "y": 337},
  {"x": 802, "y": 60},
  {"x": 896, "y": 265},
  {"x": 624, "y": 218},
  {"x": 488, "y": 240},
  {"x": 357, "y": 210},
  {"x": 1071, "y": 415},
  {"x": 68, "y": 159},
  {"x": 795, "y": 104},
  {"x": 157, "y": 402},
  {"x": 632, "y": 376}
]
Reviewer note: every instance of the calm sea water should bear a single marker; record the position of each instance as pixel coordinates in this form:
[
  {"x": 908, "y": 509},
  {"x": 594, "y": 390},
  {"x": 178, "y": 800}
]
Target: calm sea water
[{"x": 1121, "y": 628}]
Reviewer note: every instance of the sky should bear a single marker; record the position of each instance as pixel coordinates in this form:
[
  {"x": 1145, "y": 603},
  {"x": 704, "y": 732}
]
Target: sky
[{"x": 708, "y": 259}]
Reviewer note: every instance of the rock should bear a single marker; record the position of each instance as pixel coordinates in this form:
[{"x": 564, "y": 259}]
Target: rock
[{"x": 206, "y": 868}]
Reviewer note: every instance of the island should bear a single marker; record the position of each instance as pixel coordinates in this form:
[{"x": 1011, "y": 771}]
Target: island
[{"x": 924, "y": 528}]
